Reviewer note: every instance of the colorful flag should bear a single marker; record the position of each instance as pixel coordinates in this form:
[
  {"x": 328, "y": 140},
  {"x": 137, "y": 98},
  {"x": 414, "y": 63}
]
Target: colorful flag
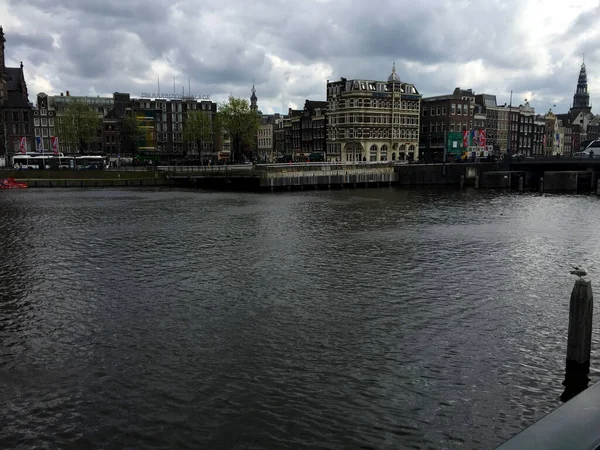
[
  {"x": 482, "y": 138},
  {"x": 472, "y": 137},
  {"x": 54, "y": 143},
  {"x": 39, "y": 145},
  {"x": 465, "y": 138},
  {"x": 23, "y": 145}
]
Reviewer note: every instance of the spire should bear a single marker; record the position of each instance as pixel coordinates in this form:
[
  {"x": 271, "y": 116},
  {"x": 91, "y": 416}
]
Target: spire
[
  {"x": 581, "y": 99},
  {"x": 394, "y": 76},
  {"x": 253, "y": 99}
]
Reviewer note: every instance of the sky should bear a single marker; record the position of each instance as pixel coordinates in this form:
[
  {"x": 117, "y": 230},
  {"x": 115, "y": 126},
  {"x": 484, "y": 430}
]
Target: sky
[{"x": 289, "y": 49}]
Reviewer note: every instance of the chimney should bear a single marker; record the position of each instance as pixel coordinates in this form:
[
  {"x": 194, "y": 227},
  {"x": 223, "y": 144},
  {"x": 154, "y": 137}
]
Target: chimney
[
  {"x": 67, "y": 93},
  {"x": 61, "y": 94}
]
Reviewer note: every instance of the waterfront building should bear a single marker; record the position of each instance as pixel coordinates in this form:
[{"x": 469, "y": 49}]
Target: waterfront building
[
  {"x": 496, "y": 122},
  {"x": 443, "y": 114},
  {"x": 266, "y": 136},
  {"x": 59, "y": 104},
  {"x": 291, "y": 131},
  {"x": 16, "y": 112},
  {"x": 163, "y": 122},
  {"x": 579, "y": 118},
  {"x": 312, "y": 129},
  {"x": 553, "y": 140},
  {"x": 370, "y": 120},
  {"x": 279, "y": 137},
  {"x": 44, "y": 123}
]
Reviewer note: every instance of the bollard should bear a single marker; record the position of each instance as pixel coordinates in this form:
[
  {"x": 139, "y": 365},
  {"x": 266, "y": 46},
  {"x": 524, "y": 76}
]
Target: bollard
[
  {"x": 520, "y": 183},
  {"x": 462, "y": 181},
  {"x": 542, "y": 184},
  {"x": 579, "y": 340},
  {"x": 477, "y": 182}
]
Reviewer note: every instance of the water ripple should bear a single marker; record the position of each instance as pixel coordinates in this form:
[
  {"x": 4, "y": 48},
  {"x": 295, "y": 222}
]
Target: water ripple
[{"x": 372, "y": 318}]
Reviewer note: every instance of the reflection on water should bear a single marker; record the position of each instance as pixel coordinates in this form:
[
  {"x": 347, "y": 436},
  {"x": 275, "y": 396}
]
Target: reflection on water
[{"x": 376, "y": 318}]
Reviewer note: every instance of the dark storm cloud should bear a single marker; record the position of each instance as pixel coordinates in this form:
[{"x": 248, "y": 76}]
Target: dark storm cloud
[{"x": 289, "y": 48}]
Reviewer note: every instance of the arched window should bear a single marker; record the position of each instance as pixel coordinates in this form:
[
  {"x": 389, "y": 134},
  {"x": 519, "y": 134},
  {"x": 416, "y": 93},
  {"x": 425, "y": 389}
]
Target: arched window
[
  {"x": 384, "y": 149},
  {"x": 373, "y": 153},
  {"x": 394, "y": 156}
]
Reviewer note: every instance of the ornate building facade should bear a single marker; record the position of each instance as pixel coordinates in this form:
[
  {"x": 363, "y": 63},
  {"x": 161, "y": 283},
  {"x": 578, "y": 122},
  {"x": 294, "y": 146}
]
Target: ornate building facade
[
  {"x": 369, "y": 120},
  {"x": 16, "y": 113}
]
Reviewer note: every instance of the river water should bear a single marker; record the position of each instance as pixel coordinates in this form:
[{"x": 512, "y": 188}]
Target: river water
[{"x": 379, "y": 318}]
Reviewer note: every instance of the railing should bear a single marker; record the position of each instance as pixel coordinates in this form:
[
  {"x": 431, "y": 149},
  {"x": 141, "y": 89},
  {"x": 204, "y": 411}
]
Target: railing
[{"x": 215, "y": 168}]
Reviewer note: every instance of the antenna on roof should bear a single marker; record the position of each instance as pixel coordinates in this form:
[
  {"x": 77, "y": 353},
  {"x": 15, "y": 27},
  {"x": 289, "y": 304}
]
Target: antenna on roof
[
  {"x": 189, "y": 87},
  {"x": 158, "y": 82}
]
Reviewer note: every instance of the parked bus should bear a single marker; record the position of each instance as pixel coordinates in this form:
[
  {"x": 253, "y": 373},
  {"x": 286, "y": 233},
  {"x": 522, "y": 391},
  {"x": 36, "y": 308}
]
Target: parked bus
[
  {"x": 90, "y": 162},
  {"x": 57, "y": 161},
  {"x": 41, "y": 160}
]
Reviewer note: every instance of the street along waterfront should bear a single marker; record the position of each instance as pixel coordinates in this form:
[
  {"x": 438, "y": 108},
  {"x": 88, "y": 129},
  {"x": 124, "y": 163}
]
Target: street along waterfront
[{"x": 381, "y": 318}]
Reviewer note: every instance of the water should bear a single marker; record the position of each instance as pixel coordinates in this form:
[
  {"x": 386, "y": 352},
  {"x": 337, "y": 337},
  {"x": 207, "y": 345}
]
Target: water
[{"x": 378, "y": 318}]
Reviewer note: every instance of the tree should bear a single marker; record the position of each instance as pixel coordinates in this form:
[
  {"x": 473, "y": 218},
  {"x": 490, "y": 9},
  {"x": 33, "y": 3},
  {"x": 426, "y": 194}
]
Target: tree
[
  {"x": 241, "y": 123},
  {"x": 78, "y": 126},
  {"x": 131, "y": 135},
  {"x": 198, "y": 129}
]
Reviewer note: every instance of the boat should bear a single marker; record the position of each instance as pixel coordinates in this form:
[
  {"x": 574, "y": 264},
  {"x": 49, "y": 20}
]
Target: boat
[{"x": 10, "y": 183}]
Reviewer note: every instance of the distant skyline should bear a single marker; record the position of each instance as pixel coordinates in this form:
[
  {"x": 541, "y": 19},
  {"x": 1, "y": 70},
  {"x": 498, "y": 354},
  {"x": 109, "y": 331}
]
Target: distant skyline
[{"x": 290, "y": 49}]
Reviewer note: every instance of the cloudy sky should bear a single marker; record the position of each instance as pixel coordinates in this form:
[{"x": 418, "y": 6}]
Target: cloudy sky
[{"x": 290, "y": 48}]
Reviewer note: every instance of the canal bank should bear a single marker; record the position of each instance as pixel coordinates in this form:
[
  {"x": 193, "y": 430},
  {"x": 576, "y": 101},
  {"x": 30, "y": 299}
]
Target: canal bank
[
  {"x": 287, "y": 177},
  {"x": 88, "y": 178}
]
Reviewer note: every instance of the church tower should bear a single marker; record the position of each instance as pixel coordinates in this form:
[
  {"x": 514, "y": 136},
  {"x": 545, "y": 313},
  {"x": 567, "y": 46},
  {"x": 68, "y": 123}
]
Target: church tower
[
  {"x": 3, "y": 76},
  {"x": 253, "y": 100},
  {"x": 581, "y": 99},
  {"x": 2, "y": 41}
]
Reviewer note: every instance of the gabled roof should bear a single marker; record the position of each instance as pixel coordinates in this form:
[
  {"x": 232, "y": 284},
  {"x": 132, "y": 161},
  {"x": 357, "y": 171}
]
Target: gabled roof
[
  {"x": 15, "y": 100},
  {"x": 14, "y": 77},
  {"x": 112, "y": 115}
]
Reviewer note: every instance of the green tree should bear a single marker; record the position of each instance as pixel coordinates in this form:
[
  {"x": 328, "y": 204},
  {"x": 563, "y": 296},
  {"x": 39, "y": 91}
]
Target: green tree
[
  {"x": 131, "y": 135},
  {"x": 78, "y": 126},
  {"x": 241, "y": 123},
  {"x": 198, "y": 129}
]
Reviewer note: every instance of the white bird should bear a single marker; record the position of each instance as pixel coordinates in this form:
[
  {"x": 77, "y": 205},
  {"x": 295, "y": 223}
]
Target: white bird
[{"x": 579, "y": 271}]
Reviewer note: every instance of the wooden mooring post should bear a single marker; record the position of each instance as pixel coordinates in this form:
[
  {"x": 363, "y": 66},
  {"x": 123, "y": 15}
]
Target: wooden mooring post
[
  {"x": 542, "y": 184},
  {"x": 579, "y": 344},
  {"x": 462, "y": 181}
]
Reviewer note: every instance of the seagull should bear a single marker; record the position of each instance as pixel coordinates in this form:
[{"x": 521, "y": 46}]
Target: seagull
[{"x": 579, "y": 271}]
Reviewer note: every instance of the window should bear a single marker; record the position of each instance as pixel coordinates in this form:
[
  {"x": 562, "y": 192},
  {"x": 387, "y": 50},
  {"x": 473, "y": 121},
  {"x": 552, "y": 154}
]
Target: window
[
  {"x": 37, "y": 131},
  {"x": 465, "y": 110},
  {"x": 15, "y": 115},
  {"x": 36, "y": 122},
  {"x": 453, "y": 109},
  {"x": 43, "y": 112},
  {"x": 459, "y": 110},
  {"x": 439, "y": 110},
  {"x": 45, "y": 132},
  {"x": 444, "y": 110},
  {"x": 25, "y": 116},
  {"x": 51, "y": 122},
  {"x": 44, "y": 122}
]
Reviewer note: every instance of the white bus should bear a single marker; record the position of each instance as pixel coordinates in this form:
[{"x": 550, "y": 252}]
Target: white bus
[
  {"x": 39, "y": 161},
  {"x": 57, "y": 161}
]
